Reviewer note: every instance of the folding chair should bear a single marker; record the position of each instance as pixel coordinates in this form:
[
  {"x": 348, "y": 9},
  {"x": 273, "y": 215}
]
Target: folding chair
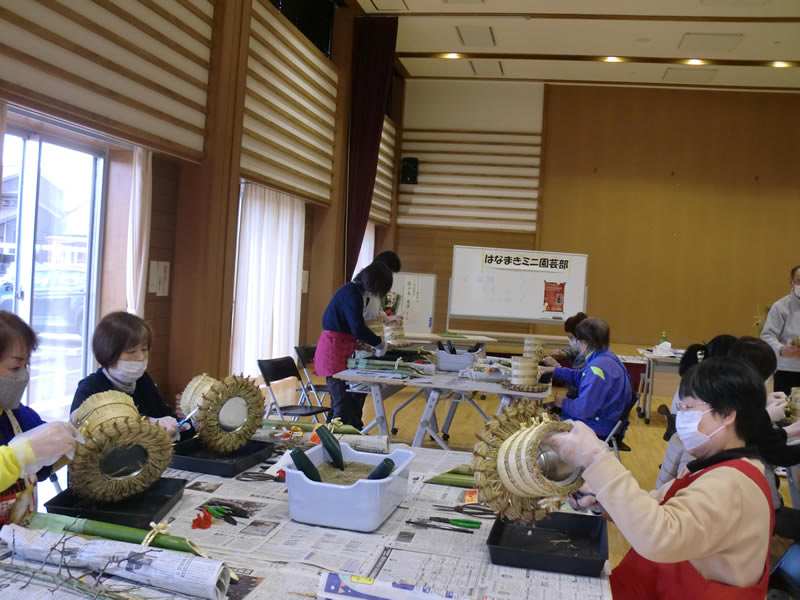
[
  {"x": 614, "y": 438},
  {"x": 305, "y": 354},
  {"x": 664, "y": 410},
  {"x": 277, "y": 369}
]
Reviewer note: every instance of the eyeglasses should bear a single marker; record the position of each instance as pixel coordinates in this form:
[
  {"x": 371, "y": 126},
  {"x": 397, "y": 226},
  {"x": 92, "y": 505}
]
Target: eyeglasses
[{"x": 691, "y": 405}]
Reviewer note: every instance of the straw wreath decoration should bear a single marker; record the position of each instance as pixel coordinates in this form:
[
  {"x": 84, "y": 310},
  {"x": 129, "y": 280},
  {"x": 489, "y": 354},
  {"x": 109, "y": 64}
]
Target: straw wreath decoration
[
  {"x": 506, "y": 474},
  {"x": 110, "y": 421},
  {"x": 210, "y": 395}
]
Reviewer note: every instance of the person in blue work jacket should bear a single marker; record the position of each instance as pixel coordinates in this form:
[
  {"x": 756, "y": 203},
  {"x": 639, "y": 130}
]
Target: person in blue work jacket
[{"x": 604, "y": 386}]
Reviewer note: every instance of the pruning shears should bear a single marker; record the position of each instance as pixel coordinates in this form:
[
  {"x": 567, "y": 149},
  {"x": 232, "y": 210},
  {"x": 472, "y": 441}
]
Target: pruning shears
[
  {"x": 465, "y": 523},
  {"x": 221, "y": 512}
]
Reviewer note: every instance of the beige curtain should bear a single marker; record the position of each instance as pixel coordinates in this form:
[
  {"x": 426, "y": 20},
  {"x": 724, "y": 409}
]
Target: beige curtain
[
  {"x": 3, "y": 119},
  {"x": 139, "y": 231},
  {"x": 269, "y": 268}
]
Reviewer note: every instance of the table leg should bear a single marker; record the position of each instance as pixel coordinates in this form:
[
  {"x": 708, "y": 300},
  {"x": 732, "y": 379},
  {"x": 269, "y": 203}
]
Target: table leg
[
  {"x": 646, "y": 386},
  {"x": 471, "y": 400},
  {"x": 401, "y": 407},
  {"x": 650, "y": 386},
  {"x": 425, "y": 423},
  {"x": 451, "y": 412},
  {"x": 505, "y": 401},
  {"x": 379, "y": 393}
]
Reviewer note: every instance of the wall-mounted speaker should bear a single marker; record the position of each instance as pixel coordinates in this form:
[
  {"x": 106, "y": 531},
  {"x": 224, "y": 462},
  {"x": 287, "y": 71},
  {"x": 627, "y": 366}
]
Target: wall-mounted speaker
[{"x": 408, "y": 170}]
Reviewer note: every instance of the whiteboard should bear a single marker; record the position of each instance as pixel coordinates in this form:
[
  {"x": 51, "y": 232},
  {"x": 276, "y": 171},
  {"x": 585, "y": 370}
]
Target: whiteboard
[
  {"x": 417, "y": 296},
  {"x": 516, "y": 285}
]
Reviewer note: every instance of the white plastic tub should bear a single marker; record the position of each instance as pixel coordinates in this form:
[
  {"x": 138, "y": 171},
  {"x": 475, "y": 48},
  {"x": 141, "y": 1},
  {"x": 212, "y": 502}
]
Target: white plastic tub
[
  {"x": 362, "y": 506},
  {"x": 454, "y": 362}
]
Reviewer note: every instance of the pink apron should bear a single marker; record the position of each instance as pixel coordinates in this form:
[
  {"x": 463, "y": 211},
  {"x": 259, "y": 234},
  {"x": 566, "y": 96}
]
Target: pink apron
[{"x": 333, "y": 350}]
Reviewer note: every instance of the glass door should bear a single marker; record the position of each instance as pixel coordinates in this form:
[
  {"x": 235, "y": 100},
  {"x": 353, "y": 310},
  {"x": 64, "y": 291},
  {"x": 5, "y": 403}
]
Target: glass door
[{"x": 48, "y": 224}]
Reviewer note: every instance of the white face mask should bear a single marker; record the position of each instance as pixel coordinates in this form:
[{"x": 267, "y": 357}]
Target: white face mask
[
  {"x": 12, "y": 387},
  {"x": 128, "y": 371},
  {"x": 796, "y": 290},
  {"x": 574, "y": 343},
  {"x": 686, "y": 422}
]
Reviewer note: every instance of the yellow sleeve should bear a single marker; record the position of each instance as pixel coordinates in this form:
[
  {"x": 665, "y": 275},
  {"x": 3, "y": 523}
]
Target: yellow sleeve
[{"x": 9, "y": 467}]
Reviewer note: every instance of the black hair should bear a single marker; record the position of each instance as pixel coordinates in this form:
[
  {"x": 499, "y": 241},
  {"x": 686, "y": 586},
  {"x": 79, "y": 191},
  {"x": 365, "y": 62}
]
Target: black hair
[
  {"x": 794, "y": 270},
  {"x": 757, "y": 353},
  {"x": 571, "y": 323},
  {"x": 376, "y": 279},
  {"x": 13, "y": 328},
  {"x": 117, "y": 332},
  {"x": 390, "y": 259},
  {"x": 718, "y": 346},
  {"x": 728, "y": 384},
  {"x": 595, "y": 332}
]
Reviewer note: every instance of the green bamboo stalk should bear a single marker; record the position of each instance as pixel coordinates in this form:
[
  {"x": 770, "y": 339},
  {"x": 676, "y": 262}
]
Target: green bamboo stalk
[
  {"x": 453, "y": 479},
  {"x": 109, "y": 531},
  {"x": 276, "y": 424}
]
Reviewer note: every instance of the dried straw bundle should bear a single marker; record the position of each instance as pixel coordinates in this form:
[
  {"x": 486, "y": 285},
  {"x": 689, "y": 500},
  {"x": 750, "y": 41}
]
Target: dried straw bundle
[
  {"x": 109, "y": 421},
  {"x": 506, "y": 474}
]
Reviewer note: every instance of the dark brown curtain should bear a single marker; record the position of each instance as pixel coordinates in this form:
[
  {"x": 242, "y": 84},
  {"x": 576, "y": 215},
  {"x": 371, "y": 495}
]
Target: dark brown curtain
[{"x": 373, "y": 53}]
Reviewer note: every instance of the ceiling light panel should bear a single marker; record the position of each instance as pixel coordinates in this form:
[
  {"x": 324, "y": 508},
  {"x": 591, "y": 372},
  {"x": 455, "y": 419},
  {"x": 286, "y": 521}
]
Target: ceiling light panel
[
  {"x": 487, "y": 68},
  {"x": 734, "y": 2},
  {"x": 476, "y": 36},
  {"x": 682, "y": 75},
  {"x": 710, "y": 43}
]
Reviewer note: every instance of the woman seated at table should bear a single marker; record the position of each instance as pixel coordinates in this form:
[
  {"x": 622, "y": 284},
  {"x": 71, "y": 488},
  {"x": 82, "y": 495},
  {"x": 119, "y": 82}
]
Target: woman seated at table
[
  {"x": 704, "y": 535},
  {"x": 604, "y": 386},
  {"x": 121, "y": 345},
  {"x": 571, "y": 355}
]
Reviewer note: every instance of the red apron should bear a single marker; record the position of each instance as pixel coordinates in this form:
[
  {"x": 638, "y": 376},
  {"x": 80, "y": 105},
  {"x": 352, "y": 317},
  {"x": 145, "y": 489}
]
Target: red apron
[
  {"x": 636, "y": 577},
  {"x": 333, "y": 350}
]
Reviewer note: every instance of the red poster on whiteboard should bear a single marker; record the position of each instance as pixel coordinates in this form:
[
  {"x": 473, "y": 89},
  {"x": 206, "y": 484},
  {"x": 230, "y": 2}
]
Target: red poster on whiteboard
[{"x": 553, "y": 296}]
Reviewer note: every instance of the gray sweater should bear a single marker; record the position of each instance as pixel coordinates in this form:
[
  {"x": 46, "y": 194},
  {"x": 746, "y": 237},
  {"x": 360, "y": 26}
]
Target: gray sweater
[{"x": 781, "y": 326}]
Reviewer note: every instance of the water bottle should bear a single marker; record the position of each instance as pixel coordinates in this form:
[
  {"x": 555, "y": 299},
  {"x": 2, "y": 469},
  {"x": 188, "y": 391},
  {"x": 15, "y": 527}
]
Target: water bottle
[{"x": 663, "y": 337}]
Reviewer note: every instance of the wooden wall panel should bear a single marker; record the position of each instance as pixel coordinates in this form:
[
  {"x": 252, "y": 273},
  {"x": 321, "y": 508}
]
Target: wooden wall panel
[
  {"x": 157, "y": 309},
  {"x": 687, "y": 203},
  {"x": 383, "y": 194},
  {"x": 430, "y": 250}
]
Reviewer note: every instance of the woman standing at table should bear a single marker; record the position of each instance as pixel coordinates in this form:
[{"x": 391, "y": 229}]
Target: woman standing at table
[
  {"x": 604, "y": 386},
  {"x": 782, "y": 332},
  {"x": 705, "y": 535},
  {"x": 342, "y": 326}
]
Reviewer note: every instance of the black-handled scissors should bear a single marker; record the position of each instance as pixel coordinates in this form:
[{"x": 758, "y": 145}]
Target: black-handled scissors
[
  {"x": 256, "y": 476},
  {"x": 479, "y": 511}
]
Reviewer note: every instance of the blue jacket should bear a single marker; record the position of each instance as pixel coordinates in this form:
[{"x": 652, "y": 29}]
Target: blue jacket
[
  {"x": 604, "y": 390},
  {"x": 345, "y": 314}
]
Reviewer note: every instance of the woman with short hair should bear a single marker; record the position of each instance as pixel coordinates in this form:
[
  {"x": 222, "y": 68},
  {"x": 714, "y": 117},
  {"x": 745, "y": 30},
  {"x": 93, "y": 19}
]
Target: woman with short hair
[
  {"x": 782, "y": 332},
  {"x": 604, "y": 386}
]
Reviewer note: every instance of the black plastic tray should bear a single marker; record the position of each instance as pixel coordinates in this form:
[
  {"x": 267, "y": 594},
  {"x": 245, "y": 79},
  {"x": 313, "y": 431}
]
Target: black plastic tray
[
  {"x": 139, "y": 510},
  {"x": 563, "y": 542},
  {"x": 191, "y": 455}
]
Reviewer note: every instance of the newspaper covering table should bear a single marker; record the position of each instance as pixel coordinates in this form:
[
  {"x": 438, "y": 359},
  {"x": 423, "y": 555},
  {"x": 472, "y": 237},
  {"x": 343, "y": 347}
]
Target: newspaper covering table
[{"x": 276, "y": 557}]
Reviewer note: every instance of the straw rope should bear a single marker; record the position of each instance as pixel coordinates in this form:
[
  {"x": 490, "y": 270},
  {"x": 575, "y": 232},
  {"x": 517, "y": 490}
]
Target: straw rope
[
  {"x": 506, "y": 474},
  {"x": 110, "y": 420},
  {"x": 210, "y": 395},
  {"x": 155, "y": 529}
]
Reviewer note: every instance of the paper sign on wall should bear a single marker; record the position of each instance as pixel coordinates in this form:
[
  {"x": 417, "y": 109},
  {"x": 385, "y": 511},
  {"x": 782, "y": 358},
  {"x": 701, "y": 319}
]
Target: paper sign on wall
[
  {"x": 158, "y": 280},
  {"x": 554, "y": 296}
]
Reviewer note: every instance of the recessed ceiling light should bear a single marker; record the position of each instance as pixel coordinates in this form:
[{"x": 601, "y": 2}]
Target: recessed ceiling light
[
  {"x": 613, "y": 59},
  {"x": 695, "y": 61},
  {"x": 780, "y": 63},
  {"x": 451, "y": 55}
]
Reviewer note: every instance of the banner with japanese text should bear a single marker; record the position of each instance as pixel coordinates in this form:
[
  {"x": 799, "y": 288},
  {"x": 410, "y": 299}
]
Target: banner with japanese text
[{"x": 525, "y": 261}]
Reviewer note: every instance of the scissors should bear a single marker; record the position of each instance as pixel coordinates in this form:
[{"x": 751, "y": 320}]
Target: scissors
[
  {"x": 465, "y": 523},
  {"x": 256, "y": 476},
  {"x": 427, "y": 524},
  {"x": 479, "y": 511}
]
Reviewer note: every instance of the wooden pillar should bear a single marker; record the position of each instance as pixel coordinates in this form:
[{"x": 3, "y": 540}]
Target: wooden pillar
[{"x": 205, "y": 240}]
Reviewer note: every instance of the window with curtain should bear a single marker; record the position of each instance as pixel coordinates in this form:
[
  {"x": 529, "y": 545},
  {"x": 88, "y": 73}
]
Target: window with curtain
[
  {"x": 367, "y": 252},
  {"x": 269, "y": 264}
]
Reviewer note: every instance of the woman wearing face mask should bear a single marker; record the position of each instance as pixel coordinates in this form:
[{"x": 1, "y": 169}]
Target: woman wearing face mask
[
  {"x": 27, "y": 445},
  {"x": 121, "y": 345},
  {"x": 781, "y": 329},
  {"x": 572, "y": 355},
  {"x": 706, "y": 534},
  {"x": 604, "y": 386}
]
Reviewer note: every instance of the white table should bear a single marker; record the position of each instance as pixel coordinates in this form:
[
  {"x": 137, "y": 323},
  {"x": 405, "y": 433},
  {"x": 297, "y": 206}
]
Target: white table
[
  {"x": 382, "y": 386},
  {"x": 430, "y": 339},
  {"x": 668, "y": 364}
]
